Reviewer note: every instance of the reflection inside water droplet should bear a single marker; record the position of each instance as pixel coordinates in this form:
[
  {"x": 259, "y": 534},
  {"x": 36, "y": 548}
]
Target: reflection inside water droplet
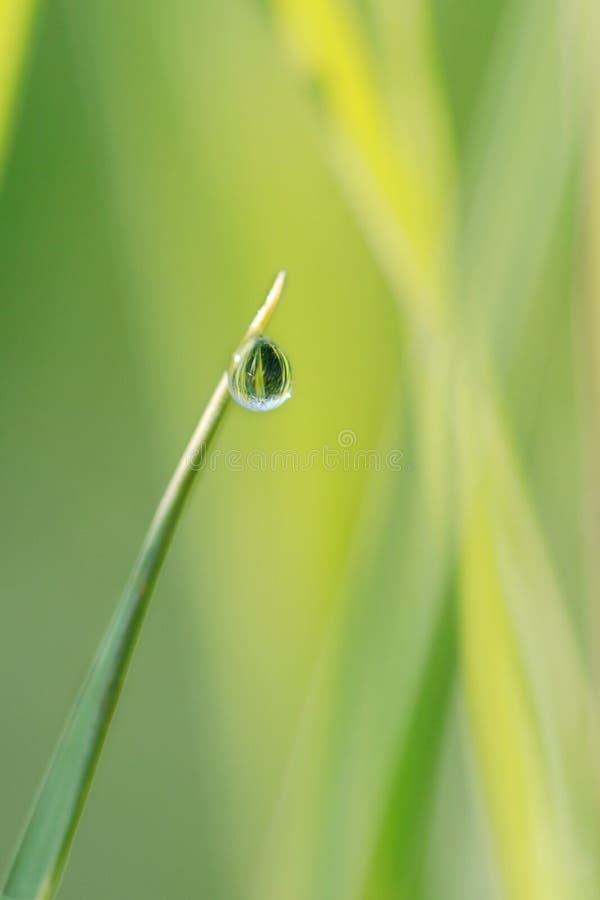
[{"x": 260, "y": 376}]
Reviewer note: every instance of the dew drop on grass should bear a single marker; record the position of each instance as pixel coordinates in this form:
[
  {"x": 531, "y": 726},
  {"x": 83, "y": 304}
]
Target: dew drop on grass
[{"x": 260, "y": 375}]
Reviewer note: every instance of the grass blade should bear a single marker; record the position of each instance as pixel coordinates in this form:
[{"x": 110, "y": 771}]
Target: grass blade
[{"x": 44, "y": 847}]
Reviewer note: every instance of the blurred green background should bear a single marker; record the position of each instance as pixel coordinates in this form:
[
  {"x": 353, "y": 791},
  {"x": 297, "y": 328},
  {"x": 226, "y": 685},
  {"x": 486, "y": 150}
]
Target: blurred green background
[{"x": 352, "y": 685}]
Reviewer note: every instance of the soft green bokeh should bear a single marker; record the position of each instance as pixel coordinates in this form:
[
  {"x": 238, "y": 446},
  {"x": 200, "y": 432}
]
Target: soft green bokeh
[{"x": 352, "y": 685}]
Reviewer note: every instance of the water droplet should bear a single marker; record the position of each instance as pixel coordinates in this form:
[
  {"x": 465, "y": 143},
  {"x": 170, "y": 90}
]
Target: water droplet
[{"x": 260, "y": 376}]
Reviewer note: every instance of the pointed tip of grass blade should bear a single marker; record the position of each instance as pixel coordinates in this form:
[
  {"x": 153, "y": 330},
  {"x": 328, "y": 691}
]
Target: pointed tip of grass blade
[{"x": 264, "y": 314}]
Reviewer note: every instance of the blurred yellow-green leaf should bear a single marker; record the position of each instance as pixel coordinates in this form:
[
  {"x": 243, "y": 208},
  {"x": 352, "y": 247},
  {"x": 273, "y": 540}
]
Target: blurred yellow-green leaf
[{"x": 15, "y": 24}]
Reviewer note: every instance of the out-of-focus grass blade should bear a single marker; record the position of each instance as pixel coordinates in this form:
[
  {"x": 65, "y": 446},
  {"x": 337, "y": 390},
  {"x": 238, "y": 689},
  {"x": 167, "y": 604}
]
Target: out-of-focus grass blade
[
  {"x": 525, "y": 144},
  {"x": 336, "y": 831},
  {"x": 397, "y": 864},
  {"x": 533, "y": 723},
  {"x": 521, "y": 821},
  {"x": 538, "y": 720},
  {"x": 15, "y": 22},
  {"x": 398, "y": 177},
  {"x": 398, "y": 173},
  {"x": 44, "y": 847}
]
